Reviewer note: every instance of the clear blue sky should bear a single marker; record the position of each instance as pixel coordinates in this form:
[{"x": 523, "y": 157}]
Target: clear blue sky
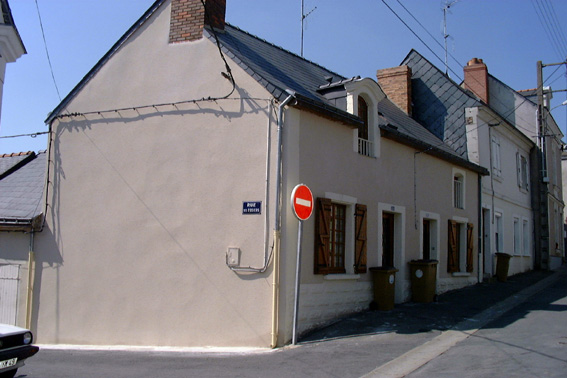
[{"x": 350, "y": 37}]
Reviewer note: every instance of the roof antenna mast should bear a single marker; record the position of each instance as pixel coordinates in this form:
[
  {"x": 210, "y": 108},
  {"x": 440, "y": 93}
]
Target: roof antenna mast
[
  {"x": 445, "y": 35},
  {"x": 303, "y": 17}
]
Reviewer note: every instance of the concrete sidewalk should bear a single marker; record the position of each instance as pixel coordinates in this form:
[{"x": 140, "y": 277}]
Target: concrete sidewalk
[{"x": 427, "y": 330}]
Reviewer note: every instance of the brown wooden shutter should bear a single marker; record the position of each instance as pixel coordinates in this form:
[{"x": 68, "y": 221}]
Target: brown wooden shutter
[
  {"x": 323, "y": 213},
  {"x": 453, "y": 251},
  {"x": 360, "y": 239},
  {"x": 470, "y": 248}
]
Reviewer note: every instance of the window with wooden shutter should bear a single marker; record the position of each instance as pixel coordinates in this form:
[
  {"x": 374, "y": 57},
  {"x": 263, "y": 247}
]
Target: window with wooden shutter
[
  {"x": 470, "y": 248},
  {"x": 360, "y": 239},
  {"x": 453, "y": 247},
  {"x": 330, "y": 237},
  {"x": 322, "y": 236}
]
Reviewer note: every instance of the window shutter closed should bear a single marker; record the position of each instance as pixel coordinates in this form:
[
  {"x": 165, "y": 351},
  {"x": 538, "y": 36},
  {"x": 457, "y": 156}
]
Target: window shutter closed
[
  {"x": 519, "y": 169},
  {"x": 360, "y": 239},
  {"x": 452, "y": 253},
  {"x": 322, "y": 236},
  {"x": 470, "y": 248}
]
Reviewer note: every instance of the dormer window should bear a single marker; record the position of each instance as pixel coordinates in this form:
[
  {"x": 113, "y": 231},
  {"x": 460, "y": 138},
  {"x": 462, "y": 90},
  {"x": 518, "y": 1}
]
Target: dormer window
[
  {"x": 458, "y": 189},
  {"x": 362, "y": 99}
]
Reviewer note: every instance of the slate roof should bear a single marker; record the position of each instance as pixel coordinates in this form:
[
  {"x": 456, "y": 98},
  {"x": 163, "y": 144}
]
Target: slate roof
[
  {"x": 399, "y": 126},
  {"x": 10, "y": 162},
  {"x": 276, "y": 68},
  {"x": 438, "y": 102},
  {"x": 279, "y": 70},
  {"x": 21, "y": 189},
  {"x": 529, "y": 94}
]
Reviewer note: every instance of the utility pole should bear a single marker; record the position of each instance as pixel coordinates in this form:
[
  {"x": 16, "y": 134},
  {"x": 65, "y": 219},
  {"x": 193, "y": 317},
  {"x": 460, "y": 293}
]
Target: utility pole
[{"x": 541, "y": 192}]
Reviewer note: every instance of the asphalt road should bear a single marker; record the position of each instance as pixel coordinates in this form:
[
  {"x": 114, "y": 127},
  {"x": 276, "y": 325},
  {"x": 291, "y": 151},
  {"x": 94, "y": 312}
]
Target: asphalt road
[
  {"x": 528, "y": 338},
  {"x": 347, "y": 357},
  {"x": 528, "y": 341}
]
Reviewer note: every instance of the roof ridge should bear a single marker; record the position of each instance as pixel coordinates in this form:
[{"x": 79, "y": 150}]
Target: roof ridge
[
  {"x": 286, "y": 51},
  {"x": 17, "y": 154}
]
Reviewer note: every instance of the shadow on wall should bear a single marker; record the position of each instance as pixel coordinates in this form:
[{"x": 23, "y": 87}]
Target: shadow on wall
[{"x": 47, "y": 256}]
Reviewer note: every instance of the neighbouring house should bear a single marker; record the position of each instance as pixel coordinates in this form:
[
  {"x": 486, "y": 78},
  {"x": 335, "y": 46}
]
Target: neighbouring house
[
  {"x": 492, "y": 125},
  {"x": 16, "y": 222},
  {"x": 171, "y": 166},
  {"x": 22, "y": 183},
  {"x": 564, "y": 182},
  {"x": 11, "y": 45},
  {"x": 548, "y": 194}
]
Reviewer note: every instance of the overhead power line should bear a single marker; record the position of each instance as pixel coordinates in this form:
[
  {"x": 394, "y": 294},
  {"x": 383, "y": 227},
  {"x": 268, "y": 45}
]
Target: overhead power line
[
  {"x": 506, "y": 114},
  {"x": 33, "y": 135},
  {"x": 47, "y": 50},
  {"x": 547, "y": 19}
]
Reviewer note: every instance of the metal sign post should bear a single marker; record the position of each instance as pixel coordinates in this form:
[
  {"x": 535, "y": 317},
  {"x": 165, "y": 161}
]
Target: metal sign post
[
  {"x": 297, "y": 275},
  {"x": 302, "y": 205}
]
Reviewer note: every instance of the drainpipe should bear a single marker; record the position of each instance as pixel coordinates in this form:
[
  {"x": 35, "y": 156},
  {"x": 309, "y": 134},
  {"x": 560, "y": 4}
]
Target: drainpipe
[
  {"x": 480, "y": 245},
  {"x": 250, "y": 269},
  {"x": 277, "y": 223},
  {"x": 29, "y": 299}
]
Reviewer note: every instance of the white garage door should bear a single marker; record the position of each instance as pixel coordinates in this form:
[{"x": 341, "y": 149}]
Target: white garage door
[{"x": 9, "y": 283}]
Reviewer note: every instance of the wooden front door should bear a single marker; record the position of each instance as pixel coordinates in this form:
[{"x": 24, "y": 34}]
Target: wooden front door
[
  {"x": 387, "y": 239},
  {"x": 426, "y": 239}
]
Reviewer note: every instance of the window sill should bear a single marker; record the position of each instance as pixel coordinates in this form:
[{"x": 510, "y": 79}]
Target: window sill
[
  {"x": 340, "y": 277},
  {"x": 461, "y": 274},
  {"x": 368, "y": 156}
]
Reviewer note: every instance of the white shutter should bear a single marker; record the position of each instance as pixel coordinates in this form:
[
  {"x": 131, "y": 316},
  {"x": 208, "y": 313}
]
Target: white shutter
[{"x": 519, "y": 169}]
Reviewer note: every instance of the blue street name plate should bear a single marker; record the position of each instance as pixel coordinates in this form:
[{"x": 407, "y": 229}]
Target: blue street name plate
[{"x": 252, "y": 207}]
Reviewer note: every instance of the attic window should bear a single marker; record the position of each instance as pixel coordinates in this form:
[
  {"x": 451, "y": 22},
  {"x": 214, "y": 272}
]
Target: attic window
[{"x": 363, "y": 115}]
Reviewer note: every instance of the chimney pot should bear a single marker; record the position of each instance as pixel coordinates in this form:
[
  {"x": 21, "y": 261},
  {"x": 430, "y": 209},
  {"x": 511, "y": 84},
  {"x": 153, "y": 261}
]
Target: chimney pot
[{"x": 476, "y": 78}]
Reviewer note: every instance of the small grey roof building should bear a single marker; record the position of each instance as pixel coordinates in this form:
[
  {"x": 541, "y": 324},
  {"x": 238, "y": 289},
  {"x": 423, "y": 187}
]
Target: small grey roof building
[{"x": 22, "y": 180}]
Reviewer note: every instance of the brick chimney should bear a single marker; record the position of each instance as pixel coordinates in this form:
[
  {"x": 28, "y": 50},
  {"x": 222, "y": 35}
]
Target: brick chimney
[
  {"x": 476, "y": 78},
  {"x": 396, "y": 83},
  {"x": 188, "y": 17}
]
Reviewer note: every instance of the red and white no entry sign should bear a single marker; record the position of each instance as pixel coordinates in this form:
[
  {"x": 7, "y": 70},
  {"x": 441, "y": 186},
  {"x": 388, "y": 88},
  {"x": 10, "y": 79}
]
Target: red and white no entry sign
[{"x": 302, "y": 202}]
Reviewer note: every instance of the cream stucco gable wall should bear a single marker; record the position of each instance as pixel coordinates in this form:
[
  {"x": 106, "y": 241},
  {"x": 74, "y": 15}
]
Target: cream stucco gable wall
[{"x": 145, "y": 202}]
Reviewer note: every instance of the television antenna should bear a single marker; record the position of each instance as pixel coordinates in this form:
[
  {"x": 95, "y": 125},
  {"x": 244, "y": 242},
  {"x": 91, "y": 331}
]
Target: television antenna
[
  {"x": 445, "y": 8},
  {"x": 303, "y": 17}
]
